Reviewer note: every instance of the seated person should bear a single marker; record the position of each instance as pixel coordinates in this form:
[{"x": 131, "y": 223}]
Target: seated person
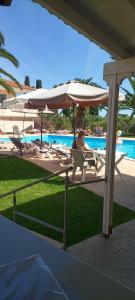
[
  {"x": 88, "y": 132},
  {"x": 79, "y": 143},
  {"x": 99, "y": 131}
]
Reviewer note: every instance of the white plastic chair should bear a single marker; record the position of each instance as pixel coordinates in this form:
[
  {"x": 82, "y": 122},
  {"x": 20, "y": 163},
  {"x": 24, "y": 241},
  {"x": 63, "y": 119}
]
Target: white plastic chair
[
  {"x": 16, "y": 132},
  {"x": 81, "y": 160}
]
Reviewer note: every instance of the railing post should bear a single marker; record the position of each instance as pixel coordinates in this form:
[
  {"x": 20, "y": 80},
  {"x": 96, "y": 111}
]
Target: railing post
[
  {"x": 14, "y": 207},
  {"x": 65, "y": 212}
]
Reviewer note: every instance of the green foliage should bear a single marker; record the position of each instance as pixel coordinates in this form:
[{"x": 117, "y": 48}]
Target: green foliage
[
  {"x": 88, "y": 81},
  {"x": 130, "y": 98},
  {"x": 38, "y": 84},
  {"x": 94, "y": 111},
  {"x": 56, "y": 122},
  {"x": 10, "y": 57},
  {"x": 60, "y": 122},
  {"x": 92, "y": 121},
  {"x": 27, "y": 80},
  {"x": 2, "y": 39},
  {"x": 126, "y": 126},
  {"x": 56, "y": 85},
  {"x": 66, "y": 112}
]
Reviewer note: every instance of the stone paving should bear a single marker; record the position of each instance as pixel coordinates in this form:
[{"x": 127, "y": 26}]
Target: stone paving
[{"x": 114, "y": 256}]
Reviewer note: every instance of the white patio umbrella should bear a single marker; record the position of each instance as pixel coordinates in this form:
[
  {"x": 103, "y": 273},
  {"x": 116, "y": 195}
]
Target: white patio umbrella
[
  {"x": 22, "y": 99},
  {"x": 65, "y": 95},
  {"x": 69, "y": 95},
  {"x": 18, "y": 104}
]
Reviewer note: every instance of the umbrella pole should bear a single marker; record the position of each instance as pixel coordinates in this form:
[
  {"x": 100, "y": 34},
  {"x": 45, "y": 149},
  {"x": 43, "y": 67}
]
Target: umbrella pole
[
  {"x": 41, "y": 130},
  {"x": 74, "y": 120},
  {"x": 23, "y": 123}
]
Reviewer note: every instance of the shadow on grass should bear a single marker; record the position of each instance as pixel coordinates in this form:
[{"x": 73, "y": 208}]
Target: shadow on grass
[
  {"x": 84, "y": 214},
  {"x": 13, "y": 168}
]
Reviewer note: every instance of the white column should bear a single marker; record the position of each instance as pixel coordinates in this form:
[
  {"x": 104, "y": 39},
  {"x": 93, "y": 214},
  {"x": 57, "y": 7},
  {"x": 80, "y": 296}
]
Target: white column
[
  {"x": 110, "y": 153},
  {"x": 114, "y": 73}
]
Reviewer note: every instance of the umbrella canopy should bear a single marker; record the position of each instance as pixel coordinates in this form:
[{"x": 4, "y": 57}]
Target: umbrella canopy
[
  {"x": 18, "y": 102},
  {"x": 65, "y": 95}
]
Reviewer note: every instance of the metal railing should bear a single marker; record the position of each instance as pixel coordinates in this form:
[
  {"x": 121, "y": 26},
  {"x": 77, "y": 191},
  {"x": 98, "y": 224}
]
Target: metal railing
[
  {"x": 13, "y": 192},
  {"x": 68, "y": 184}
]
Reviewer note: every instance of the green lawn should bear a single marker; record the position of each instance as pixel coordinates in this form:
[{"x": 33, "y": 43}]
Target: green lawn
[{"x": 45, "y": 201}]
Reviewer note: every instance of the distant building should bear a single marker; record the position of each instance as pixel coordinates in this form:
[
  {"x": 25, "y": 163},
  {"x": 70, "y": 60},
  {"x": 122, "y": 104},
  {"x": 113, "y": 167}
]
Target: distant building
[
  {"x": 8, "y": 118},
  {"x": 5, "y": 95}
]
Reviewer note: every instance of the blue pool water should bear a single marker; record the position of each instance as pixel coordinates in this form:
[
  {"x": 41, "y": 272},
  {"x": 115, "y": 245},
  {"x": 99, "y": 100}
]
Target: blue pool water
[{"x": 128, "y": 146}]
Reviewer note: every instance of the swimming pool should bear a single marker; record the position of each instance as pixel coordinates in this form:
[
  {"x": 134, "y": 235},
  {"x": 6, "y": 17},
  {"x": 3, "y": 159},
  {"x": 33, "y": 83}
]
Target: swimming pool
[{"x": 128, "y": 146}]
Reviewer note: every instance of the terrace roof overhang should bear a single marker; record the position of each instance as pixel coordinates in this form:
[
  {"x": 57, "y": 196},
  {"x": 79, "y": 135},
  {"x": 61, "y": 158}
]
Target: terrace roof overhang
[{"x": 110, "y": 24}]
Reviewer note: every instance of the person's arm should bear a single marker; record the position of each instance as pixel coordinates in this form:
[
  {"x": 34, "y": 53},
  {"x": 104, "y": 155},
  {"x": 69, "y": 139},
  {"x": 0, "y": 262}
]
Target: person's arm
[{"x": 86, "y": 147}]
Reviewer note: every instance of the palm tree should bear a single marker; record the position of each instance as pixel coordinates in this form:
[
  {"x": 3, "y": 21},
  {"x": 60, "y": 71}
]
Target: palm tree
[
  {"x": 5, "y": 54},
  {"x": 81, "y": 111},
  {"x": 130, "y": 98},
  {"x": 88, "y": 81}
]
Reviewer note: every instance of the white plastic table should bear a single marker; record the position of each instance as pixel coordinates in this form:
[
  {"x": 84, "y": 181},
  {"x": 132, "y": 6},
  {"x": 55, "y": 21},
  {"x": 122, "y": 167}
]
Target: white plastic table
[
  {"x": 79, "y": 281},
  {"x": 101, "y": 156}
]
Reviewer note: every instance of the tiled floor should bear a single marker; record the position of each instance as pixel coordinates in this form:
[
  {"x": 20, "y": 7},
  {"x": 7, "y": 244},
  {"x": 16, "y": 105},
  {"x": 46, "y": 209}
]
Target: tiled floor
[{"x": 115, "y": 257}]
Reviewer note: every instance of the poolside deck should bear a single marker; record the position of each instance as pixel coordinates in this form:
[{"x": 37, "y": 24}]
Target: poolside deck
[
  {"x": 124, "y": 191},
  {"x": 115, "y": 256}
]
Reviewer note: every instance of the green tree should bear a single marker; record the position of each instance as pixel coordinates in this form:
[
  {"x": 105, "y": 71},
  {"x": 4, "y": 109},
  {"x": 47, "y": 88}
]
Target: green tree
[
  {"x": 130, "y": 98},
  {"x": 38, "y": 84},
  {"x": 56, "y": 85},
  {"x": 7, "y": 55},
  {"x": 80, "y": 122},
  {"x": 27, "y": 80}
]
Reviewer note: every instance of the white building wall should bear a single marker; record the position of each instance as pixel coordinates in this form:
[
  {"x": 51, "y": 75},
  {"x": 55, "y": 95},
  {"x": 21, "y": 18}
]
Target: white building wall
[{"x": 7, "y": 125}]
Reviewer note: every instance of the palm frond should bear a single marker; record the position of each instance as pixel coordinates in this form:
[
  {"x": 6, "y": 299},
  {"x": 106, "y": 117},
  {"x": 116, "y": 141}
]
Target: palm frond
[
  {"x": 4, "y": 53},
  {"x": 7, "y": 87},
  {"x": 88, "y": 81},
  {"x": 2, "y": 40},
  {"x": 102, "y": 106},
  {"x": 126, "y": 91},
  {"x": 11, "y": 77},
  {"x": 132, "y": 82},
  {"x": 124, "y": 106},
  {"x": 133, "y": 113}
]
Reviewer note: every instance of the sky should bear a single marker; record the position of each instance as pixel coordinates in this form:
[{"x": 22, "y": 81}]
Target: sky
[{"x": 48, "y": 49}]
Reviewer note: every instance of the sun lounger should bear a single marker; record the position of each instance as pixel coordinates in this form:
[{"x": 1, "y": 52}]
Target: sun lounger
[
  {"x": 101, "y": 157},
  {"x": 61, "y": 153},
  {"x": 20, "y": 147},
  {"x": 46, "y": 148},
  {"x": 37, "y": 142}
]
